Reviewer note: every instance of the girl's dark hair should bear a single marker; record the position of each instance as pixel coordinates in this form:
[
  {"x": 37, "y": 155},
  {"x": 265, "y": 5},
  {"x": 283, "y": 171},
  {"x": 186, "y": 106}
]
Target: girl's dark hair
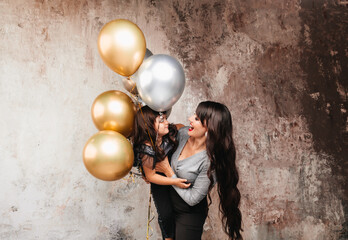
[
  {"x": 221, "y": 151},
  {"x": 144, "y": 128}
]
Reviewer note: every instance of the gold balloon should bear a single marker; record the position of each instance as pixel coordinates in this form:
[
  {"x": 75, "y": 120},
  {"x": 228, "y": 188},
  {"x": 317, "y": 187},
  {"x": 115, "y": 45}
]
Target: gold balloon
[
  {"x": 108, "y": 156},
  {"x": 122, "y": 46},
  {"x": 114, "y": 110}
]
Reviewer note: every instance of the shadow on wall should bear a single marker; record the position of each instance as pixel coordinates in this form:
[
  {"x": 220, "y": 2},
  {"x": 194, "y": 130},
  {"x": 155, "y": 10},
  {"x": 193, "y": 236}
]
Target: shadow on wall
[{"x": 325, "y": 63}]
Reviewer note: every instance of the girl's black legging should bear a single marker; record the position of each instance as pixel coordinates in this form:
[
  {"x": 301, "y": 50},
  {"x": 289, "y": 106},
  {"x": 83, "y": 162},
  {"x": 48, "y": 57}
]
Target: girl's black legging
[
  {"x": 161, "y": 198},
  {"x": 189, "y": 220}
]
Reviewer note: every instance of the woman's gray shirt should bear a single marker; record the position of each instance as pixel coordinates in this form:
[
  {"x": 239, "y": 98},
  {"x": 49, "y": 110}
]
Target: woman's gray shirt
[{"x": 193, "y": 168}]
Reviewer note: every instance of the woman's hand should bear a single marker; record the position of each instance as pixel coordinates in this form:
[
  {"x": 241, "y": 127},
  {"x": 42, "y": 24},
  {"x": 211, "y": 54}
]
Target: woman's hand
[{"x": 181, "y": 183}]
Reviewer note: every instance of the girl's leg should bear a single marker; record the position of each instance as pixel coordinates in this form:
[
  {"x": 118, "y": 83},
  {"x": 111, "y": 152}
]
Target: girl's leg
[{"x": 164, "y": 208}]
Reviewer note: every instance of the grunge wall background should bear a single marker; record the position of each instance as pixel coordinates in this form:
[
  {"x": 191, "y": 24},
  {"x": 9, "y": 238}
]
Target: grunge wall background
[{"x": 280, "y": 67}]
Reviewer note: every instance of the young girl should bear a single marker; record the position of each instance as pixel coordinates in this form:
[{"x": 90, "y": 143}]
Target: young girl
[{"x": 154, "y": 141}]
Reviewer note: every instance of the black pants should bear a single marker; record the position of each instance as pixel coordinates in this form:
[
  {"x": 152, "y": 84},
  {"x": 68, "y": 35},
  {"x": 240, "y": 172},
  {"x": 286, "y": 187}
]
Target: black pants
[
  {"x": 189, "y": 220},
  {"x": 161, "y": 198}
]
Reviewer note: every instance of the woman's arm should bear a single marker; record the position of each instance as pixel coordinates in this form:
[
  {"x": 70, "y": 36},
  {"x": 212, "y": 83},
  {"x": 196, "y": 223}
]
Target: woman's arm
[{"x": 199, "y": 190}]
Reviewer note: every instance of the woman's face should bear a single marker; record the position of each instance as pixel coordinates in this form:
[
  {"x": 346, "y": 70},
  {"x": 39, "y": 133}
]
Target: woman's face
[
  {"x": 161, "y": 125},
  {"x": 197, "y": 129}
]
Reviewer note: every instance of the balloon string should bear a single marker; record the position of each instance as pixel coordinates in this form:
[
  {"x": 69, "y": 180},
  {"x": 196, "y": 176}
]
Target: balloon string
[
  {"x": 131, "y": 91},
  {"x": 149, "y": 211},
  {"x": 133, "y": 96},
  {"x": 132, "y": 177},
  {"x": 148, "y": 218},
  {"x": 129, "y": 177}
]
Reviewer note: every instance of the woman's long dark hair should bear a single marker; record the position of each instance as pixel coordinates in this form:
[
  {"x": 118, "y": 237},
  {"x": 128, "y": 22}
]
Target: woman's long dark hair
[
  {"x": 144, "y": 128},
  {"x": 221, "y": 151}
]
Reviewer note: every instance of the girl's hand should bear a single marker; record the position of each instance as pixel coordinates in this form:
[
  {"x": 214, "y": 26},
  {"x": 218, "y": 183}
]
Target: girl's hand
[{"x": 181, "y": 183}]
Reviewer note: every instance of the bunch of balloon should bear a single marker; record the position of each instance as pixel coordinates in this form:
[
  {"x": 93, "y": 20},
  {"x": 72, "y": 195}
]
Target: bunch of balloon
[
  {"x": 108, "y": 155},
  {"x": 154, "y": 80}
]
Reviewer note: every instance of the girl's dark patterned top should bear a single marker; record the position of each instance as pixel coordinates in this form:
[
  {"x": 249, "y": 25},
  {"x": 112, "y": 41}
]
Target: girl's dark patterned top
[{"x": 144, "y": 155}]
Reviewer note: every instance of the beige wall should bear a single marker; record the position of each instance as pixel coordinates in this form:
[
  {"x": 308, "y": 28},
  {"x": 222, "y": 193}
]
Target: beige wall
[{"x": 254, "y": 56}]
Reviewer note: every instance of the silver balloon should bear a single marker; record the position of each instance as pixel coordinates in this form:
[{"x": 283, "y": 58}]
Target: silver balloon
[
  {"x": 160, "y": 82},
  {"x": 129, "y": 82}
]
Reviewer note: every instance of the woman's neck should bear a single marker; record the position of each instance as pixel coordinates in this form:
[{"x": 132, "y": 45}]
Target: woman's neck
[{"x": 197, "y": 144}]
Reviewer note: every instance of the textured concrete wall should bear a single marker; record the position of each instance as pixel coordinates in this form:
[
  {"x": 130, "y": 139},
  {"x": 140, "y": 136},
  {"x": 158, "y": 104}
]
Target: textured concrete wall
[{"x": 280, "y": 66}]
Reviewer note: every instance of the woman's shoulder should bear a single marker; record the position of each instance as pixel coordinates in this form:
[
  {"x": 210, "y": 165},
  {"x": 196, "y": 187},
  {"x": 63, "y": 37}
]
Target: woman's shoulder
[
  {"x": 183, "y": 130},
  {"x": 182, "y": 133},
  {"x": 203, "y": 159}
]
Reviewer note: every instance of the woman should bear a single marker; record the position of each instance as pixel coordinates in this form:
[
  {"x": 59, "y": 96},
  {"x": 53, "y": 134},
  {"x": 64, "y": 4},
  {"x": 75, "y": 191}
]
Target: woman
[
  {"x": 205, "y": 155},
  {"x": 153, "y": 141}
]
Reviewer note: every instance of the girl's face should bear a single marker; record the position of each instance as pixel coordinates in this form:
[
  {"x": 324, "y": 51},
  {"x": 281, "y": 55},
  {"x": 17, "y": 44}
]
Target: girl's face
[
  {"x": 161, "y": 125},
  {"x": 197, "y": 129}
]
